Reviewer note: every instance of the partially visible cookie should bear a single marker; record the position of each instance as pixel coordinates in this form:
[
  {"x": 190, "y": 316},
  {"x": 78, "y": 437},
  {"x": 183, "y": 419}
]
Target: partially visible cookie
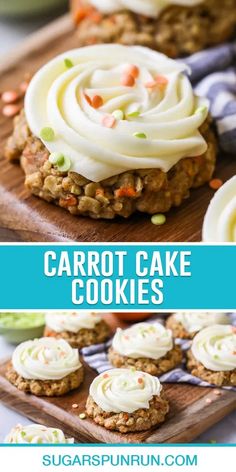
[
  {"x": 147, "y": 347},
  {"x": 45, "y": 367},
  {"x": 212, "y": 356},
  {"x": 36, "y": 434},
  {"x": 186, "y": 325},
  {"x": 127, "y": 401},
  {"x": 79, "y": 328}
]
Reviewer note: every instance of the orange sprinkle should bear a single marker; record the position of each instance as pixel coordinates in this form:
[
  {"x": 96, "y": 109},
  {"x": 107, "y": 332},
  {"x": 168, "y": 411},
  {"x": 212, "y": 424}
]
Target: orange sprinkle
[
  {"x": 105, "y": 376},
  {"x": 127, "y": 80},
  {"x": 88, "y": 99},
  {"x": 10, "y": 96},
  {"x": 97, "y": 101},
  {"x": 140, "y": 380},
  {"x": 133, "y": 70},
  {"x": 208, "y": 401},
  {"x": 11, "y": 110},
  {"x": 161, "y": 80},
  {"x": 151, "y": 84},
  {"x": 74, "y": 406},
  {"x": 215, "y": 184},
  {"x": 109, "y": 121},
  {"x": 125, "y": 192}
]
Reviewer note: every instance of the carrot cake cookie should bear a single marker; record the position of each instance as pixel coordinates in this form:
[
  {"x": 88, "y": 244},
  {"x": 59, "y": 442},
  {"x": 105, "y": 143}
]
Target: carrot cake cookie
[
  {"x": 186, "y": 324},
  {"x": 212, "y": 356},
  {"x": 126, "y": 400},
  {"x": 36, "y": 434},
  {"x": 108, "y": 130},
  {"x": 79, "y": 328},
  {"x": 146, "y": 347},
  {"x": 45, "y": 366},
  {"x": 220, "y": 220},
  {"x": 175, "y": 27}
]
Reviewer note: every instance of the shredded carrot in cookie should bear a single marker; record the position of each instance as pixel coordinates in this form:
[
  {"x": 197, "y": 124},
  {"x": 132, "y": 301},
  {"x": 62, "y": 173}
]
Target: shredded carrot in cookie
[{"x": 125, "y": 192}]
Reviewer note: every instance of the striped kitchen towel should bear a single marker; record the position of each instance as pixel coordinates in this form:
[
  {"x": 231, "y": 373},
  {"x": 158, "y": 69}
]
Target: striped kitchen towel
[
  {"x": 96, "y": 357},
  {"x": 214, "y": 76}
]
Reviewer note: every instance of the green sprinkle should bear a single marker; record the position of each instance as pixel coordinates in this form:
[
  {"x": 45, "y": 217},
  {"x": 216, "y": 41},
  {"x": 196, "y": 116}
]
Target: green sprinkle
[
  {"x": 118, "y": 115},
  {"x": 158, "y": 219},
  {"x": 133, "y": 114},
  {"x": 65, "y": 166},
  {"x": 202, "y": 109},
  {"x": 47, "y": 134},
  {"x": 82, "y": 416},
  {"x": 56, "y": 158},
  {"x": 213, "y": 441},
  {"x": 23, "y": 434},
  {"x": 216, "y": 357},
  {"x": 68, "y": 63},
  {"x": 140, "y": 135}
]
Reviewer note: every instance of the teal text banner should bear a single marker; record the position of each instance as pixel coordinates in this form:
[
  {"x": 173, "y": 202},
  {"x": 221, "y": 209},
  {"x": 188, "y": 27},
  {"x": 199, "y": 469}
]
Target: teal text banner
[{"x": 117, "y": 277}]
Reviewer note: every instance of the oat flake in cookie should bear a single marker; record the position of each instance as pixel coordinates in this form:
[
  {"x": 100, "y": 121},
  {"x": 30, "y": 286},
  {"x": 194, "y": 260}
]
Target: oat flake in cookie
[
  {"x": 45, "y": 366},
  {"x": 174, "y": 27},
  {"x": 126, "y": 400},
  {"x": 212, "y": 356},
  {"x": 146, "y": 347},
  {"x": 79, "y": 328},
  {"x": 36, "y": 434},
  {"x": 185, "y": 325},
  {"x": 112, "y": 129}
]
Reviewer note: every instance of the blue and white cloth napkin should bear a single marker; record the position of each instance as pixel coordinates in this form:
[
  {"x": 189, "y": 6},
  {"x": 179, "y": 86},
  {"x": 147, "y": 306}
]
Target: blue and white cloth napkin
[
  {"x": 96, "y": 357},
  {"x": 214, "y": 76}
]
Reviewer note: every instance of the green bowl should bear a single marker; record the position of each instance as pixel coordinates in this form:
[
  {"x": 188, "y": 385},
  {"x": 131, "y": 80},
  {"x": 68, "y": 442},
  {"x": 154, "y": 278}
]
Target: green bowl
[
  {"x": 19, "y": 334},
  {"x": 28, "y": 7}
]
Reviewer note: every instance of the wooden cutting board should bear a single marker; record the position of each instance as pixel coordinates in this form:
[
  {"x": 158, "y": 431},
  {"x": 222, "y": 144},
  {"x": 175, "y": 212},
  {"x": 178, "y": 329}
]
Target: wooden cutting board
[
  {"x": 189, "y": 416},
  {"x": 27, "y": 218}
]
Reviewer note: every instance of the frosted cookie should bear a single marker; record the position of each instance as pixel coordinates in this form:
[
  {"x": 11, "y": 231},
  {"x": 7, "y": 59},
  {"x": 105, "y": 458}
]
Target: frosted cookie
[
  {"x": 175, "y": 27},
  {"x": 186, "y": 324},
  {"x": 220, "y": 219},
  {"x": 36, "y": 434},
  {"x": 110, "y": 130},
  {"x": 45, "y": 366},
  {"x": 79, "y": 328},
  {"x": 212, "y": 356},
  {"x": 126, "y": 400},
  {"x": 146, "y": 347}
]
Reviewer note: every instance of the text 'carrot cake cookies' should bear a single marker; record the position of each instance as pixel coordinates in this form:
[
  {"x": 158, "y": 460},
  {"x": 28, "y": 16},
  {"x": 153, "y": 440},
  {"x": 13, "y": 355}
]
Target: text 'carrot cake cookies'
[
  {"x": 79, "y": 328},
  {"x": 220, "y": 219},
  {"x": 36, "y": 434},
  {"x": 110, "y": 129},
  {"x": 185, "y": 325},
  {"x": 146, "y": 347},
  {"x": 45, "y": 366},
  {"x": 126, "y": 400},
  {"x": 212, "y": 356},
  {"x": 175, "y": 27}
]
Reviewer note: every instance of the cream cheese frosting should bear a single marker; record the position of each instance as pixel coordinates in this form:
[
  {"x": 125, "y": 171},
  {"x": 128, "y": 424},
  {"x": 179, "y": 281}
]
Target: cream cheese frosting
[
  {"x": 45, "y": 359},
  {"x": 99, "y": 143},
  {"x": 194, "y": 322},
  {"x": 220, "y": 219},
  {"x": 146, "y": 340},
  {"x": 149, "y": 8},
  {"x": 36, "y": 434},
  {"x": 124, "y": 390},
  {"x": 71, "y": 321},
  {"x": 215, "y": 348}
]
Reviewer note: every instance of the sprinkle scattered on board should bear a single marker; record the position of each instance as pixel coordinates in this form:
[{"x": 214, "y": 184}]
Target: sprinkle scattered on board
[
  {"x": 158, "y": 219},
  {"x": 215, "y": 184},
  {"x": 82, "y": 416},
  {"x": 74, "y": 406},
  {"x": 11, "y": 110}
]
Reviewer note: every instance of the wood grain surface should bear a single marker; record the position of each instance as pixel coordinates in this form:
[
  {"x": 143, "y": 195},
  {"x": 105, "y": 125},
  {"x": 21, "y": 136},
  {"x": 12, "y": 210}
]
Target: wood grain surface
[
  {"x": 27, "y": 218},
  {"x": 189, "y": 415}
]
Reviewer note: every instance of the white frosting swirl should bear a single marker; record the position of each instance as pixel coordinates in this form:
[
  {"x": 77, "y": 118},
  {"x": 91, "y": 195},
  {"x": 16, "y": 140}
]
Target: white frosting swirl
[
  {"x": 124, "y": 390},
  {"x": 170, "y": 115},
  {"x": 147, "y": 340},
  {"x": 150, "y": 8},
  {"x": 194, "y": 322},
  {"x": 36, "y": 434},
  {"x": 220, "y": 219},
  {"x": 45, "y": 359},
  {"x": 71, "y": 321},
  {"x": 215, "y": 348}
]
